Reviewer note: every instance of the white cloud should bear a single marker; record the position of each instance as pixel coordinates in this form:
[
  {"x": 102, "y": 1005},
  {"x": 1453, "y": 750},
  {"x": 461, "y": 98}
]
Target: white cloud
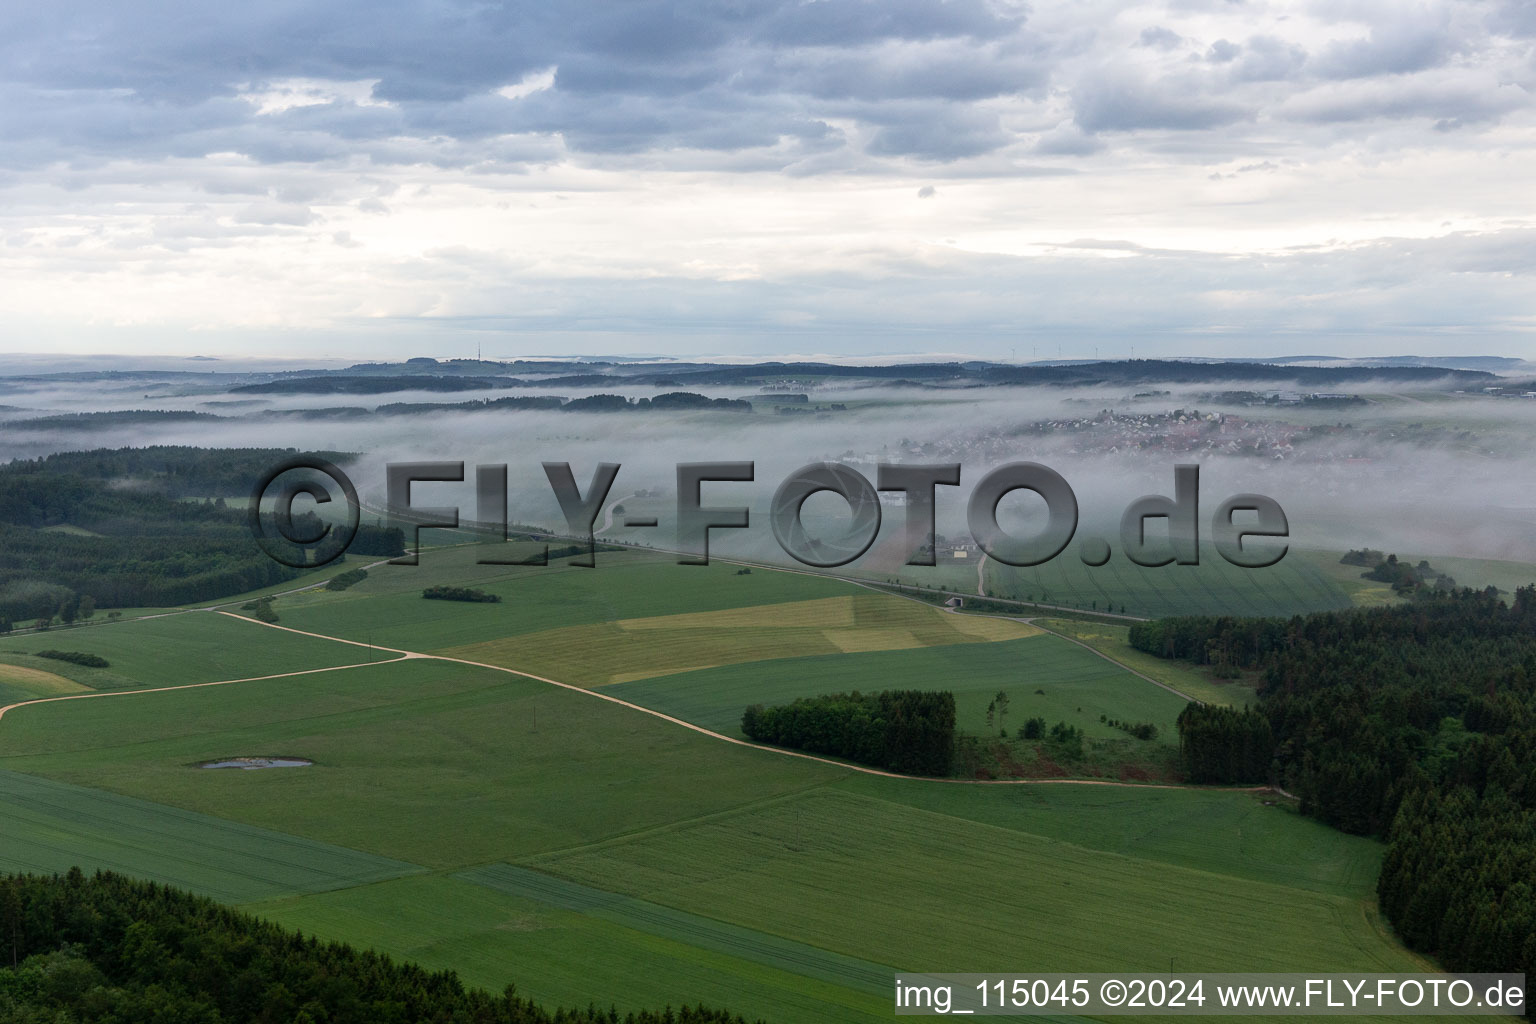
[
  {"x": 278, "y": 96},
  {"x": 529, "y": 84},
  {"x": 693, "y": 172}
]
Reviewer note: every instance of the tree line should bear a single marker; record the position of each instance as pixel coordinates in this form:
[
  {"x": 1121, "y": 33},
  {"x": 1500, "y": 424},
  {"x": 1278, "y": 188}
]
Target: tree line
[
  {"x": 1416, "y": 723},
  {"x": 445, "y": 593},
  {"x": 77, "y": 658},
  {"x": 907, "y": 731},
  {"x": 109, "y": 948}
]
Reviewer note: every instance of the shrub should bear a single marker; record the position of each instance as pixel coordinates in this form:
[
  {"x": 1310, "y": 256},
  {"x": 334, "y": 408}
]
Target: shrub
[
  {"x": 459, "y": 594},
  {"x": 343, "y": 580},
  {"x": 77, "y": 658}
]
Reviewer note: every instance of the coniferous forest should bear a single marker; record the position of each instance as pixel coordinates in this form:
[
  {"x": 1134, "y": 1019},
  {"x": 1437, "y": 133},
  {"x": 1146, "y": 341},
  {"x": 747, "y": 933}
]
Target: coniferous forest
[
  {"x": 909, "y": 731},
  {"x": 138, "y": 527},
  {"x": 1416, "y": 723},
  {"x": 77, "y": 949}
]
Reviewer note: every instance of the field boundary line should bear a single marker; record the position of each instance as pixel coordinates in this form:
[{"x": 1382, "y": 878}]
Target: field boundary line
[
  {"x": 405, "y": 656},
  {"x": 857, "y": 768},
  {"x": 1113, "y": 661}
]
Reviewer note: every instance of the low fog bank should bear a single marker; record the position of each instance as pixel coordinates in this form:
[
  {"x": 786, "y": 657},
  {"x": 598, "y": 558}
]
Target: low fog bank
[{"x": 1405, "y": 469}]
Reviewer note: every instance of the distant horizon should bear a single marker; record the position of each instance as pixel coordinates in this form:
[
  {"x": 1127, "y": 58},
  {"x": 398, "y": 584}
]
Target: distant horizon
[{"x": 33, "y": 363}]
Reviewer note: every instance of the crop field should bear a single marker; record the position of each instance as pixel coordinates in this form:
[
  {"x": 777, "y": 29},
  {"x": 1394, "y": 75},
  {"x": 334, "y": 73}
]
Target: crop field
[
  {"x": 1214, "y": 587},
  {"x": 20, "y": 682},
  {"x": 48, "y": 826},
  {"x": 423, "y": 761},
  {"x": 188, "y": 647},
  {"x": 1077, "y": 685},
  {"x": 953, "y": 894},
  {"x": 1113, "y": 642},
  {"x": 627, "y": 649},
  {"x": 514, "y": 831},
  {"x": 624, "y": 585},
  {"x": 555, "y": 955}
]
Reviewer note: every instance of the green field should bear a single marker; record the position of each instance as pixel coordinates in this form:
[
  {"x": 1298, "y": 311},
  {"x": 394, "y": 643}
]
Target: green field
[
  {"x": 1113, "y": 642},
  {"x": 173, "y": 650},
  {"x": 598, "y": 654},
  {"x": 1214, "y": 587},
  {"x": 625, "y": 585},
  {"x": 518, "y": 832},
  {"x": 48, "y": 826},
  {"x": 1078, "y": 686}
]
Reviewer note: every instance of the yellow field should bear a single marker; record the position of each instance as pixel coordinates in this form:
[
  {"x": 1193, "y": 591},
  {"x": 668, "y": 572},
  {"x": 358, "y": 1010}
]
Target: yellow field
[
  {"x": 599, "y": 654},
  {"x": 35, "y": 680}
]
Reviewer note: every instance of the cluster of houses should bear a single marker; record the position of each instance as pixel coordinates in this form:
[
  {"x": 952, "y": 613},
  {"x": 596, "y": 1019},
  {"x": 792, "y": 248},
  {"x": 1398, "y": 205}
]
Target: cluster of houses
[{"x": 1500, "y": 391}]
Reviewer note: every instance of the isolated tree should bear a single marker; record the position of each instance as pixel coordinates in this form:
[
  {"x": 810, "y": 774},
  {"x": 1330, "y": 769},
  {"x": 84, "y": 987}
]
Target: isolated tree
[
  {"x": 87, "y": 606},
  {"x": 1001, "y": 703}
]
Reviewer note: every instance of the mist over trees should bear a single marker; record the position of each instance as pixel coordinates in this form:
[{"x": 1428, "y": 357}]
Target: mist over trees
[{"x": 139, "y": 528}]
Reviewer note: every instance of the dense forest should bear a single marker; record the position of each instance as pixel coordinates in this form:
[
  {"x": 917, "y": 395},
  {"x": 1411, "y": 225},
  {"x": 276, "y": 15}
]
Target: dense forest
[
  {"x": 908, "y": 731},
  {"x": 1416, "y": 723},
  {"x": 112, "y": 949},
  {"x": 1224, "y": 745},
  {"x": 136, "y": 528}
]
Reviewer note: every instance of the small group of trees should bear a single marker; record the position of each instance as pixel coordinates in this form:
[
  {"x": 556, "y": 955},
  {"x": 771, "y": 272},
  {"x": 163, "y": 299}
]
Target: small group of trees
[
  {"x": 1404, "y": 578},
  {"x": 908, "y": 731},
  {"x": 77, "y": 658},
  {"x": 445, "y": 593},
  {"x": 261, "y": 610},
  {"x": 1140, "y": 730},
  {"x": 1066, "y": 740},
  {"x": 76, "y": 607},
  {"x": 343, "y": 580}
]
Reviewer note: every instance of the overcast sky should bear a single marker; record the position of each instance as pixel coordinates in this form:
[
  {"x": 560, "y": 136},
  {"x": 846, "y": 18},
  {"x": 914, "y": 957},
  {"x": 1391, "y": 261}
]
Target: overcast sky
[{"x": 837, "y": 176}]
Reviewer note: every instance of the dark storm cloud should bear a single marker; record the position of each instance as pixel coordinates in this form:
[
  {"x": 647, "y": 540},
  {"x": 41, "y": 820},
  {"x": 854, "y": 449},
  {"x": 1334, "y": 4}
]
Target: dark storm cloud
[
  {"x": 150, "y": 80},
  {"x": 86, "y": 82}
]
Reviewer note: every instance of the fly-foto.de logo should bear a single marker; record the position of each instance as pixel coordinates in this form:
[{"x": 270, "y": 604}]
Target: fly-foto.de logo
[{"x": 1248, "y": 530}]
